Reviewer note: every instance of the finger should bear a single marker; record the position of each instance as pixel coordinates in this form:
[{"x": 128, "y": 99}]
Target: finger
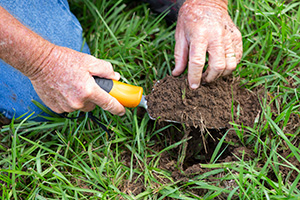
[
  {"x": 67, "y": 109},
  {"x": 89, "y": 106},
  {"x": 230, "y": 56},
  {"x": 216, "y": 63},
  {"x": 103, "y": 69},
  {"x": 117, "y": 76},
  {"x": 61, "y": 108},
  {"x": 56, "y": 107},
  {"x": 197, "y": 57},
  {"x": 107, "y": 102},
  {"x": 181, "y": 51},
  {"x": 238, "y": 44}
]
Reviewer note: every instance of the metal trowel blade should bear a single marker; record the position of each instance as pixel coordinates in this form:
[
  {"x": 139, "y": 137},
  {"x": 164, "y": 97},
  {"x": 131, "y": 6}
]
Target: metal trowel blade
[{"x": 143, "y": 103}]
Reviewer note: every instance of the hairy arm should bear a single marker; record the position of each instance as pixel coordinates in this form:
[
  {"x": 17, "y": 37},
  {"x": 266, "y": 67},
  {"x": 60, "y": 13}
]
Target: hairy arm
[
  {"x": 20, "y": 47},
  {"x": 62, "y": 77}
]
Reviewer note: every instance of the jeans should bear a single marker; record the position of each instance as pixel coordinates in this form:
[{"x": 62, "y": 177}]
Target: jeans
[{"x": 51, "y": 19}]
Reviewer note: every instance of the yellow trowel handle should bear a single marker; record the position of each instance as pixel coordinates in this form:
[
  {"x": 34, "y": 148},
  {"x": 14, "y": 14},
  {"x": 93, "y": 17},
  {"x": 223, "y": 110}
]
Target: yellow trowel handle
[{"x": 128, "y": 95}]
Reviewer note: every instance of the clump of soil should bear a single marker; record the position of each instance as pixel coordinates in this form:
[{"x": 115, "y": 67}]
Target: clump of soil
[
  {"x": 210, "y": 106},
  {"x": 203, "y": 111}
]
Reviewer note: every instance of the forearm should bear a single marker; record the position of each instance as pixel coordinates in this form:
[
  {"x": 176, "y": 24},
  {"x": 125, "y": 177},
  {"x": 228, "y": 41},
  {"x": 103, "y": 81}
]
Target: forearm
[{"x": 20, "y": 47}]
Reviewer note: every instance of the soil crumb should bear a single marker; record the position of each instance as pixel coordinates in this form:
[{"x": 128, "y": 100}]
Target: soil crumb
[{"x": 210, "y": 106}]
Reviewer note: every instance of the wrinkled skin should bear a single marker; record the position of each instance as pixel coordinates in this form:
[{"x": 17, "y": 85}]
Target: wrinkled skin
[
  {"x": 65, "y": 82},
  {"x": 205, "y": 26},
  {"x": 62, "y": 77}
]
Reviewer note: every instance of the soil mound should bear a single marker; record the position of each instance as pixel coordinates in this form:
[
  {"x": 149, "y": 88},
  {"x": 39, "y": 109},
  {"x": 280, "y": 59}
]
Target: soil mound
[{"x": 212, "y": 106}]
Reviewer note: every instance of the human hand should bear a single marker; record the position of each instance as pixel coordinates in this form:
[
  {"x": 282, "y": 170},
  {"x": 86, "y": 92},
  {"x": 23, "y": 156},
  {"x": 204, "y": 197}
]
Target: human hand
[
  {"x": 64, "y": 82},
  {"x": 62, "y": 77},
  {"x": 205, "y": 26}
]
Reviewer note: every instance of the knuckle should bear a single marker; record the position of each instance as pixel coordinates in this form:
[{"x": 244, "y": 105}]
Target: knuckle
[
  {"x": 59, "y": 111},
  {"x": 88, "y": 107},
  {"x": 76, "y": 105},
  {"x": 239, "y": 56},
  {"x": 219, "y": 32},
  {"x": 88, "y": 93},
  {"x": 197, "y": 62},
  {"x": 80, "y": 101},
  {"x": 108, "y": 65},
  {"x": 218, "y": 66},
  {"x": 108, "y": 105},
  {"x": 56, "y": 108},
  {"x": 63, "y": 108},
  {"x": 68, "y": 110},
  {"x": 177, "y": 56},
  {"x": 105, "y": 65}
]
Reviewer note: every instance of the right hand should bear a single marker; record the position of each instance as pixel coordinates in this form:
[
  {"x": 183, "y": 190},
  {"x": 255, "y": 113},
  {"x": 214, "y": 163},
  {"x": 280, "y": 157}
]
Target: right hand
[
  {"x": 205, "y": 26},
  {"x": 64, "y": 82}
]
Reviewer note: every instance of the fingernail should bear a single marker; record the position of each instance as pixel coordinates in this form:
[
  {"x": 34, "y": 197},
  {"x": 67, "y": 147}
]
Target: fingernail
[
  {"x": 174, "y": 72},
  {"x": 194, "y": 86},
  {"x": 117, "y": 75}
]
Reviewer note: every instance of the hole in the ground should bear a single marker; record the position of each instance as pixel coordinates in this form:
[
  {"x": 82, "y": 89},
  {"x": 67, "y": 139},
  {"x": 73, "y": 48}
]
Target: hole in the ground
[
  {"x": 195, "y": 151},
  {"x": 198, "y": 152}
]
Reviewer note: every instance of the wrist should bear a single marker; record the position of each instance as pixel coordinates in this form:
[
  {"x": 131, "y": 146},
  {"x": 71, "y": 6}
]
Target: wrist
[{"x": 36, "y": 64}]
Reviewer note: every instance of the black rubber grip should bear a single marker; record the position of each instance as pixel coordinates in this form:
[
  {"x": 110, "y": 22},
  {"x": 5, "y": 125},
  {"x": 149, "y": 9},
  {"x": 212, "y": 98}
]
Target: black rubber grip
[{"x": 105, "y": 84}]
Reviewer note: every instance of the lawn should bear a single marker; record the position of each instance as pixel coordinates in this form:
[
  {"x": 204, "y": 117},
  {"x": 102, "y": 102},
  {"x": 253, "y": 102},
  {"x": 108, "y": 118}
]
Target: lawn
[{"x": 74, "y": 158}]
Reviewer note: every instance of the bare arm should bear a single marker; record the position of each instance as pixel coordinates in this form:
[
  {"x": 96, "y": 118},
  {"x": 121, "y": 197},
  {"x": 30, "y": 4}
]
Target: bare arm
[
  {"x": 62, "y": 77},
  {"x": 19, "y": 46}
]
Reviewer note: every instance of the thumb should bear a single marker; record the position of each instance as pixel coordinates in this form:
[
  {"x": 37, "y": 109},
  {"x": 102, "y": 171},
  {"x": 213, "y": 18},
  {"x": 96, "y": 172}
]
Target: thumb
[
  {"x": 103, "y": 69},
  {"x": 101, "y": 98}
]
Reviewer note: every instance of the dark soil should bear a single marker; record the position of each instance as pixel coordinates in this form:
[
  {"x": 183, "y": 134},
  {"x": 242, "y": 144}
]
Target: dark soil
[
  {"x": 210, "y": 106},
  {"x": 205, "y": 115}
]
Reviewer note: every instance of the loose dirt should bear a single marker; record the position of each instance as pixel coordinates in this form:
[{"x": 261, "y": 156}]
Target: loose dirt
[
  {"x": 211, "y": 106},
  {"x": 205, "y": 115}
]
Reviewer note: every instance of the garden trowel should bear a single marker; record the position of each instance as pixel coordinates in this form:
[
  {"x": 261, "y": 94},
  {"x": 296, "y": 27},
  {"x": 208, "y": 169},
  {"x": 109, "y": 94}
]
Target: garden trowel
[{"x": 129, "y": 96}]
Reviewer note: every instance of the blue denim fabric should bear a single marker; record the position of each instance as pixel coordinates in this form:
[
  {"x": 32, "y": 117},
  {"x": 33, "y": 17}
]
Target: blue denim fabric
[{"x": 51, "y": 19}]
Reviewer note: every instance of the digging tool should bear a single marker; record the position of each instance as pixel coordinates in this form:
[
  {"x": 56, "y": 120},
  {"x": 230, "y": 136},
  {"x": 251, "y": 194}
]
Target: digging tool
[{"x": 128, "y": 95}]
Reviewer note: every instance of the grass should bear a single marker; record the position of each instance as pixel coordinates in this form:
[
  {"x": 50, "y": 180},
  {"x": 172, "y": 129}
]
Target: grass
[{"x": 76, "y": 159}]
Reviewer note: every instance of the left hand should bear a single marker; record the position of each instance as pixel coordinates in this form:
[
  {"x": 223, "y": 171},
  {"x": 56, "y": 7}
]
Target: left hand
[
  {"x": 205, "y": 26},
  {"x": 64, "y": 81}
]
